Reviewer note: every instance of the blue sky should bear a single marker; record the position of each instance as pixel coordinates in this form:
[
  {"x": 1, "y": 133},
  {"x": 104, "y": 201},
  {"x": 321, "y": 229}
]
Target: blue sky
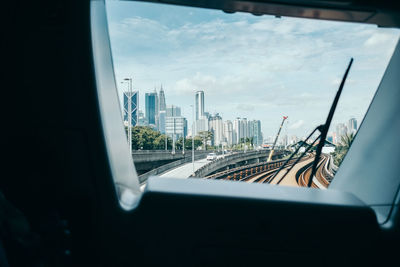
[{"x": 257, "y": 67}]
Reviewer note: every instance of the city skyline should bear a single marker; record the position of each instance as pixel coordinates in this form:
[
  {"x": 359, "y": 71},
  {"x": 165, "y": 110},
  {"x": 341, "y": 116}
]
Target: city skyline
[
  {"x": 293, "y": 68},
  {"x": 168, "y": 119}
]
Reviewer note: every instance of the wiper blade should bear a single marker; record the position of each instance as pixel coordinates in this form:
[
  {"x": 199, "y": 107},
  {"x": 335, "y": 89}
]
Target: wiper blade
[{"x": 325, "y": 127}]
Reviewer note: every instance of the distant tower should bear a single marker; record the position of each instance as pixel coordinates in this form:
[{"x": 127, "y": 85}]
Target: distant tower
[
  {"x": 216, "y": 126},
  {"x": 151, "y": 108},
  {"x": 134, "y": 107},
  {"x": 352, "y": 125},
  {"x": 161, "y": 111},
  {"x": 199, "y": 104},
  {"x": 163, "y": 105}
]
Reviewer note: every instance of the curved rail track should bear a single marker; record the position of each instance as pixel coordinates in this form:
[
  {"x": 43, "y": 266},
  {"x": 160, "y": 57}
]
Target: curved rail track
[{"x": 264, "y": 173}]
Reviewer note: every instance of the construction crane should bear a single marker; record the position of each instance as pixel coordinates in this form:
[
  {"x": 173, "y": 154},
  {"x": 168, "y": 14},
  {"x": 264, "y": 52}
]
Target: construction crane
[{"x": 276, "y": 139}]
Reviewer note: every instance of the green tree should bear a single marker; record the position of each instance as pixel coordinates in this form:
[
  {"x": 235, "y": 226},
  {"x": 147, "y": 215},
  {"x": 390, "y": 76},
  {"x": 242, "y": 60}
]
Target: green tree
[
  {"x": 197, "y": 143},
  {"x": 179, "y": 144},
  {"x": 159, "y": 143},
  {"x": 146, "y": 138},
  {"x": 342, "y": 149},
  {"x": 206, "y": 136}
]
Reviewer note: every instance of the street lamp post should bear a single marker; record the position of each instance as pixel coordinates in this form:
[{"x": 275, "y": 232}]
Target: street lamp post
[
  {"x": 166, "y": 141},
  {"x": 183, "y": 138},
  {"x": 193, "y": 138},
  {"x": 173, "y": 138}
]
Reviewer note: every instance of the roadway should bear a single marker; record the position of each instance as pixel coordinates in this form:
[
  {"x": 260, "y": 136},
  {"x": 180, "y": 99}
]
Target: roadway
[{"x": 185, "y": 170}]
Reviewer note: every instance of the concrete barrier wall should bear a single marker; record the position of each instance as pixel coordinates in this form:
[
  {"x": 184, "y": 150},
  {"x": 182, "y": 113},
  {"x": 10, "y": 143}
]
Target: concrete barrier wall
[
  {"x": 140, "y": 156},
  {"x": 164, "y": 168},
  {"x": 232, "y": 159}
]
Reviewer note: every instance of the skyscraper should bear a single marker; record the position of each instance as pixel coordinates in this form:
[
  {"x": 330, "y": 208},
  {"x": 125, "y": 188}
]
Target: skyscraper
[
  {"x": 151, "y": 102},
  {"x": 173, "y": 111},
  {"x": 228, "y": 132},
  {"x": 236, "y": 131},
  {"x": 243, "y": 129},
  {"x": 134, "y": 107},
  {"x": 217, "y": 128},
  {"x": 199, "y": 104},
  {"x": 352, "y": 125},
  {"x": 162, "y": 107},
  {"x": 175, "y": 127},
  {"x": 162, "y": 102},
  {"x": 341, "y": 130},
  {"x": 162, "y": 120},
  {"x": 256, "y": 132}
]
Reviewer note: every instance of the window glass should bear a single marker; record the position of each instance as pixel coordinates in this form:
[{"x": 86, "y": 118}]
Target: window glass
[{"x": 248, "y": 88}]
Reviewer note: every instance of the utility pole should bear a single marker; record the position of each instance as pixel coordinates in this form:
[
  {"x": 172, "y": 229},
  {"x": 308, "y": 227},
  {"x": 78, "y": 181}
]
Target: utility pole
[
  {"x": 193, "y": 138},
  {"x": 183, "y": 138},
  {"x": 173, "y": 138}
]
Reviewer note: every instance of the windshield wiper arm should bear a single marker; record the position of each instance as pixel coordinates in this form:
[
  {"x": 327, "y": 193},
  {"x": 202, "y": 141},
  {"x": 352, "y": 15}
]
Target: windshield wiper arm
[{"x": 325, "y": 128}]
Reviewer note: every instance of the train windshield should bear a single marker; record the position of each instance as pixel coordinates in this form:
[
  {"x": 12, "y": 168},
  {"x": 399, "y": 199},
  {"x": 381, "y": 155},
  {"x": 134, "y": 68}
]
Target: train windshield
[{"x": 250, "y": 89}]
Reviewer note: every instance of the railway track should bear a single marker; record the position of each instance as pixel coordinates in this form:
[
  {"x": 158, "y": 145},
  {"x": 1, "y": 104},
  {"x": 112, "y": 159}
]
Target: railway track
[
  {"x": 319, "y": 181},
  {"x": 265, "y": 173}
]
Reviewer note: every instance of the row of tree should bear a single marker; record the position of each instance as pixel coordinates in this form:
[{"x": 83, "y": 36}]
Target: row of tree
[{"x": 145, "y": 138}]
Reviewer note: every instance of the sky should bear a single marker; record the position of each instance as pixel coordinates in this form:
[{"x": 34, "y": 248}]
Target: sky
[{"x": 254, "y": 67}]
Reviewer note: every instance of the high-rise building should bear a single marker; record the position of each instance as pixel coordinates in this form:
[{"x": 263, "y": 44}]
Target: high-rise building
[
  {"x": 134, "y": 96},
  {"x": 176, "y": 127},
  {"x": 151, "y": 102},
  {"x": 228, "y": 132},
  {"x": 185, "y": 127},
  {"x": 162, "y": 103},
  {"x": 352, "y": 125},
  {"x": 173, "y": 111},
  {"x": 341, "y": 130},
  {"x": 236, "y": 131},
  {"x": 250, "y": 130},
  {"x": 201, "y": 125},
  {"x": 217, "y": 128},
  {"x": 199, "y": 104},
  {"x": 256, "y": 132},
  {"x": 243, "y": 129},
  {"x": 162, "y": 120},
  {"x": 162, "y": 107}
]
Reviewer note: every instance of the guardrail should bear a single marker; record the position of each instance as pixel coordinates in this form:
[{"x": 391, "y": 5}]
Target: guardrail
[
  {"x": 140, "y": 156},
  {"x": 243, "y": 172},
  {"x": 332, "y": 167},
  {"x": 326, "y": 172},
  {"x": 166, "y": 167},
  {"x": 231, "y": 159}
]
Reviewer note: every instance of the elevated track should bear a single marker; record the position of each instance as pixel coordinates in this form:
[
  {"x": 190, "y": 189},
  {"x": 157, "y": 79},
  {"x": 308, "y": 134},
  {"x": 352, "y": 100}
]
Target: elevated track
[{"x": 264, "y": 173}]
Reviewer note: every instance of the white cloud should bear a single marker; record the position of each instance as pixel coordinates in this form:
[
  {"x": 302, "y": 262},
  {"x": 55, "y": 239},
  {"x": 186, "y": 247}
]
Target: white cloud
[
  {"x": 261, "y": 67},
  {"x": 379, "y": 39},
  {"x": 245, "y": 107},
  {"x": 298, "y": 124}
]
